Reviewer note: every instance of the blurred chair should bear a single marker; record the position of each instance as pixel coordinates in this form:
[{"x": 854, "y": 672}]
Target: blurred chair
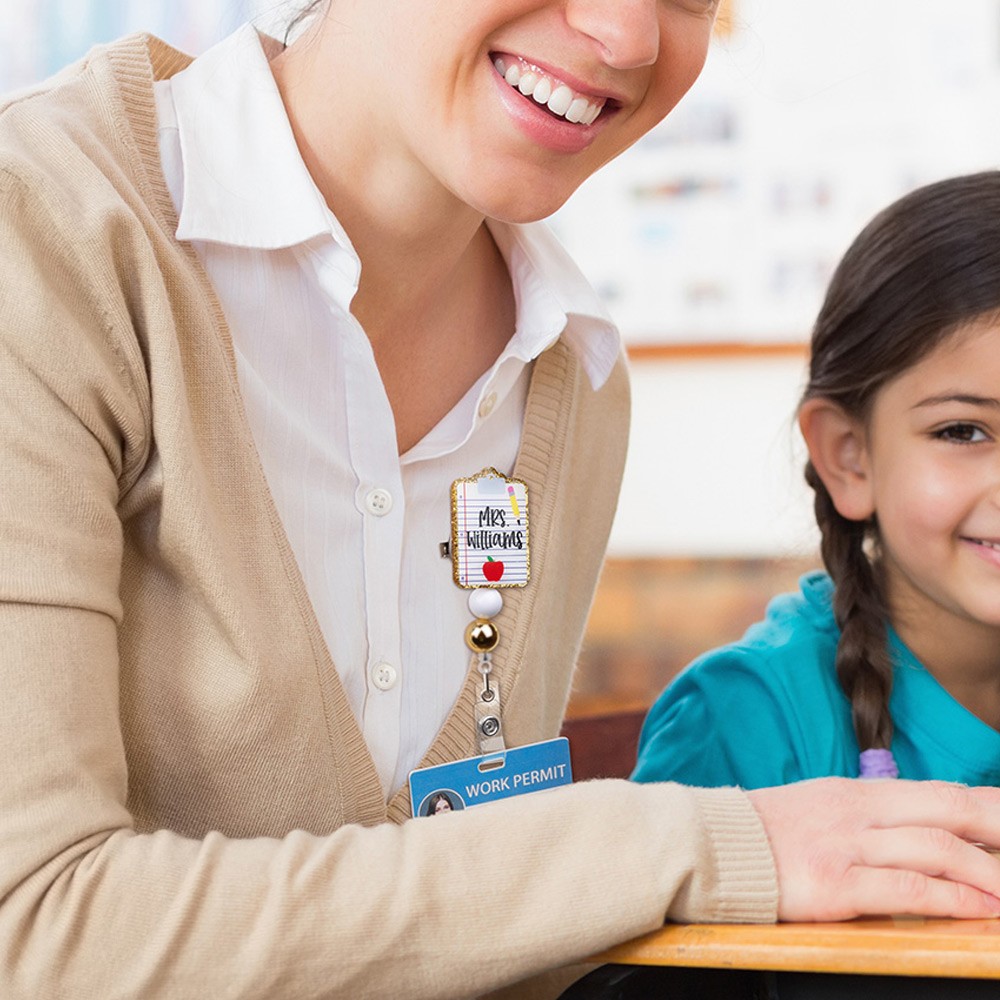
[{"x": 603, "y": 746}]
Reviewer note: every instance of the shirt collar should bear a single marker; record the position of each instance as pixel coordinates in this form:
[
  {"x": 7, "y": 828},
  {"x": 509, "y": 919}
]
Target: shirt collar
[
  {"x": 554, "y": 299},
  {"x": 245, "y": 183}
]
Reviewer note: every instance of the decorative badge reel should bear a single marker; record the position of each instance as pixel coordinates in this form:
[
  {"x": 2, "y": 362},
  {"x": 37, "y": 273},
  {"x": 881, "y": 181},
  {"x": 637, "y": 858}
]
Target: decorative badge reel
[{"x": 489, "y": 552}]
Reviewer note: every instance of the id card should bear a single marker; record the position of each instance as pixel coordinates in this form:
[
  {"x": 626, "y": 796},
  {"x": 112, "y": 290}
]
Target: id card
[{"x": 462, "y": 784}]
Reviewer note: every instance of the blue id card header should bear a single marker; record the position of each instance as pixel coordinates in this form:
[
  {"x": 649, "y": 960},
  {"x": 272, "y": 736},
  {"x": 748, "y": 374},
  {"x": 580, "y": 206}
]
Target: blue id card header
[{"x": 462, "y": 784}]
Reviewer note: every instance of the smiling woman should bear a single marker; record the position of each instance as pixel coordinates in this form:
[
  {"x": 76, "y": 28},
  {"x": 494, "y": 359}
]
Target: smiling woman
[
  {"x": 264, "y": 312},
  {"x": 496, "y": 150}
]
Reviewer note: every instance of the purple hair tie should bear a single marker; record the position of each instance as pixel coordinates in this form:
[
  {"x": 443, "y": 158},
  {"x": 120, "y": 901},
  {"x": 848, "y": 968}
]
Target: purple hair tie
[{"x": 878, "y": 764}]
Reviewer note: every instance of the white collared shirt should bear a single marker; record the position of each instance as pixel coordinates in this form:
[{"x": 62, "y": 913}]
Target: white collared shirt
[{"x": 364, "y": 523}]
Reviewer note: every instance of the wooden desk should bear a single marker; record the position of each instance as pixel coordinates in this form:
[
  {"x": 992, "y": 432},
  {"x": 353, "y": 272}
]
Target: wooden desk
[{"x": 901, "y": 946}]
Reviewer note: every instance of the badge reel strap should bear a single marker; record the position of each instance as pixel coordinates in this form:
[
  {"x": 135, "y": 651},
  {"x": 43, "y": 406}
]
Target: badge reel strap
[
  {"x": 482, "y": 637},
  {"x": 489, "y": 549}
]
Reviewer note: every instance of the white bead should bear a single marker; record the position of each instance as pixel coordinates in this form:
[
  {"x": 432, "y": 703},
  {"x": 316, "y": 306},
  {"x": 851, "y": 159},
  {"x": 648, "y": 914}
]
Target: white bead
[{"x": 485, "y": 602}]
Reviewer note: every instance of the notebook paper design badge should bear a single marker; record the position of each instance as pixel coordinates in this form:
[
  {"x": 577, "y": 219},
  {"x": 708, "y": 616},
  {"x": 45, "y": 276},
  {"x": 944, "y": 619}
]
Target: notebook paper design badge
[{"x": 489, "y": 531}]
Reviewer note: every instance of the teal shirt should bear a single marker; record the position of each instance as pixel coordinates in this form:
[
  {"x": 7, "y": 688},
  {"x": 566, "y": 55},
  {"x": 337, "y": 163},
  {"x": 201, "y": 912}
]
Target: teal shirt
[{"x": 768, "y": 710}]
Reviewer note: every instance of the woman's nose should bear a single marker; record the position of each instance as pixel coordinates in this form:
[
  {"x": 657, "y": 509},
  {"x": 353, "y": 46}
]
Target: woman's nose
[{"x": 627, "y": 31}]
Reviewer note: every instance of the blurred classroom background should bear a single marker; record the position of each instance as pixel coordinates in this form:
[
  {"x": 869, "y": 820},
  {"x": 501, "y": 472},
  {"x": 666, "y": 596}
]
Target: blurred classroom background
[{"x": 711, "y": 242}]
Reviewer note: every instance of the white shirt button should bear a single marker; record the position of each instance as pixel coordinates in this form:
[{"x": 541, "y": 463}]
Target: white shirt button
[
  {"x": 384, "y": 676},
  {"x": 486, "y": 406},
  {"x": 378, "y": 502}
]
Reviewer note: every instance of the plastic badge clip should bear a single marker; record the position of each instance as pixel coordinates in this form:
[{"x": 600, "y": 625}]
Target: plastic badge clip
[{"x": 489, "y": 730}]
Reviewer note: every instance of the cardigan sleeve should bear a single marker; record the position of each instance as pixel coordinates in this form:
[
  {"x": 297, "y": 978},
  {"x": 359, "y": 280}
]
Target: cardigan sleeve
[{"x": 92, "y": 908}]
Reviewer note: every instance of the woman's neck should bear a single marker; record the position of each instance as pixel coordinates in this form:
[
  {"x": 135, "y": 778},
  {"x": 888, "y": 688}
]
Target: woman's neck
[
  {"x": 434, "y": 299},
  {"x": 413, "y": 235}
]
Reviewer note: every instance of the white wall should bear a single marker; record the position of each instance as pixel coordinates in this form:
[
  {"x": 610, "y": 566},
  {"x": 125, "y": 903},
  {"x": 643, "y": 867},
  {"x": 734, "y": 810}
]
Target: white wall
[{"x": 715, "y": 463}]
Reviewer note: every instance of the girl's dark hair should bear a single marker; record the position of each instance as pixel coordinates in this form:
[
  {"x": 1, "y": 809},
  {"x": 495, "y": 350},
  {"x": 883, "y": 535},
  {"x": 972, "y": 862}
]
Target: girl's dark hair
[
  {"x": 922, "y": 269},
  {"x": 307, "y": 11}
]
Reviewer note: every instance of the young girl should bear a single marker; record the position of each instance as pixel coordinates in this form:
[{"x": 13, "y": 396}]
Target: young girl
[{"x": 889, "y": 666}]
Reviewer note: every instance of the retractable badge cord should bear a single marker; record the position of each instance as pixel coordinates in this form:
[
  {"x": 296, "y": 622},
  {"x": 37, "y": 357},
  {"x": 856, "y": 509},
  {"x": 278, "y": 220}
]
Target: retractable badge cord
[
  {"x": 482, "y": 637},
  {"x": 489, "y": 552}
]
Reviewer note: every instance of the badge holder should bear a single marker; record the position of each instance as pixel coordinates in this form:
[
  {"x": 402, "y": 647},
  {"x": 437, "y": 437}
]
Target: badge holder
[{"x": 489, "y": 552}]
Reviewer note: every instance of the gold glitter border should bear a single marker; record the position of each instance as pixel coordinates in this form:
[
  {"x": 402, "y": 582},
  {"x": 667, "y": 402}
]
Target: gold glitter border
[{"x": 455, "y": 574}]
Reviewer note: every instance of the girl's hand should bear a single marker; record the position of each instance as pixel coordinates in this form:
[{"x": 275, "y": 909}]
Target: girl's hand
[{"x": 845, "y": 847}]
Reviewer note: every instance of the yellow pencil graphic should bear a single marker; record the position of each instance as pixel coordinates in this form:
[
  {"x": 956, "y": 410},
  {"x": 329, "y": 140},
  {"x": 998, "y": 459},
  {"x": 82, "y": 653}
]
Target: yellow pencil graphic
[{"x": 513, "y": 501}]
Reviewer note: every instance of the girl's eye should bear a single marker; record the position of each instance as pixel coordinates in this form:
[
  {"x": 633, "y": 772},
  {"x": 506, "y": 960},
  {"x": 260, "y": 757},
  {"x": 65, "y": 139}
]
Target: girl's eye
[{"x": 961, "y": 434}]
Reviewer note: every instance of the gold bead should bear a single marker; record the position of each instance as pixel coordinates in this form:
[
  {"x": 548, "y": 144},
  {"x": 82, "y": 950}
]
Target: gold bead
[{"x": 482, "y": 636}]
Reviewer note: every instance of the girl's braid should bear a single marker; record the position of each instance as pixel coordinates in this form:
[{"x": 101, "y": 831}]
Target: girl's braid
[{"x": 863, "y": 665}]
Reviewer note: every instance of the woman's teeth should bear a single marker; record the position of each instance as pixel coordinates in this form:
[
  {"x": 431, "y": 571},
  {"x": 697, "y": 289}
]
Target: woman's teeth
[{"x": 546, "y": 90}]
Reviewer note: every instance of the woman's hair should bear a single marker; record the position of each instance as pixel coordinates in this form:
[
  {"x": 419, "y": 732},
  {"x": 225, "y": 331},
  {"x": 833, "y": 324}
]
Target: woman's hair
[
  {"x": 305, "y": 12},
  {"x": 435, "y": 799},
  {"x": 923, "y": 268}
]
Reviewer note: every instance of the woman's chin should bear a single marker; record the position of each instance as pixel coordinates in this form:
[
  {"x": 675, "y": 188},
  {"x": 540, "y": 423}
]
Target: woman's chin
[{"x": 518, "y": 203}]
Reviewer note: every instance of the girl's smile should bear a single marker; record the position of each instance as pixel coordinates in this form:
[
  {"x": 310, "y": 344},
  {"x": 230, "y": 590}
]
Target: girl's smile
[{"x": 984, "y": 549}]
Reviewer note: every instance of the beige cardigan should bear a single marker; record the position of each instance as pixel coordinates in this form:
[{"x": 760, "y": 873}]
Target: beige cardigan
[{"x": 187, "y": 806}]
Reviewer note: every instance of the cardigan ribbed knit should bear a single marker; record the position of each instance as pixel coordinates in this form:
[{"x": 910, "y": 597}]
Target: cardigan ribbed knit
[{"x": 188, "y": 806}]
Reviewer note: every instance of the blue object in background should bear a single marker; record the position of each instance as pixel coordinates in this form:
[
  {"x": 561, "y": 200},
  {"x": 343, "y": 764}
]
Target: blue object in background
[{"x": 39, "y": 37}]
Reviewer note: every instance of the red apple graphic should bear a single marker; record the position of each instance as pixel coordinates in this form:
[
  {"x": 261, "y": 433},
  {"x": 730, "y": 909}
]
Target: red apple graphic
[{"x": 492, "y": 569}]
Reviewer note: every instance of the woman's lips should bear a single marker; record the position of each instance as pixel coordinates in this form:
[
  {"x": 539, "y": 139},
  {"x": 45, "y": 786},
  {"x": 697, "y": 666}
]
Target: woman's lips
[
  {"x": 552, "y": 113},
  {"x": 547, "y": 90}
]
